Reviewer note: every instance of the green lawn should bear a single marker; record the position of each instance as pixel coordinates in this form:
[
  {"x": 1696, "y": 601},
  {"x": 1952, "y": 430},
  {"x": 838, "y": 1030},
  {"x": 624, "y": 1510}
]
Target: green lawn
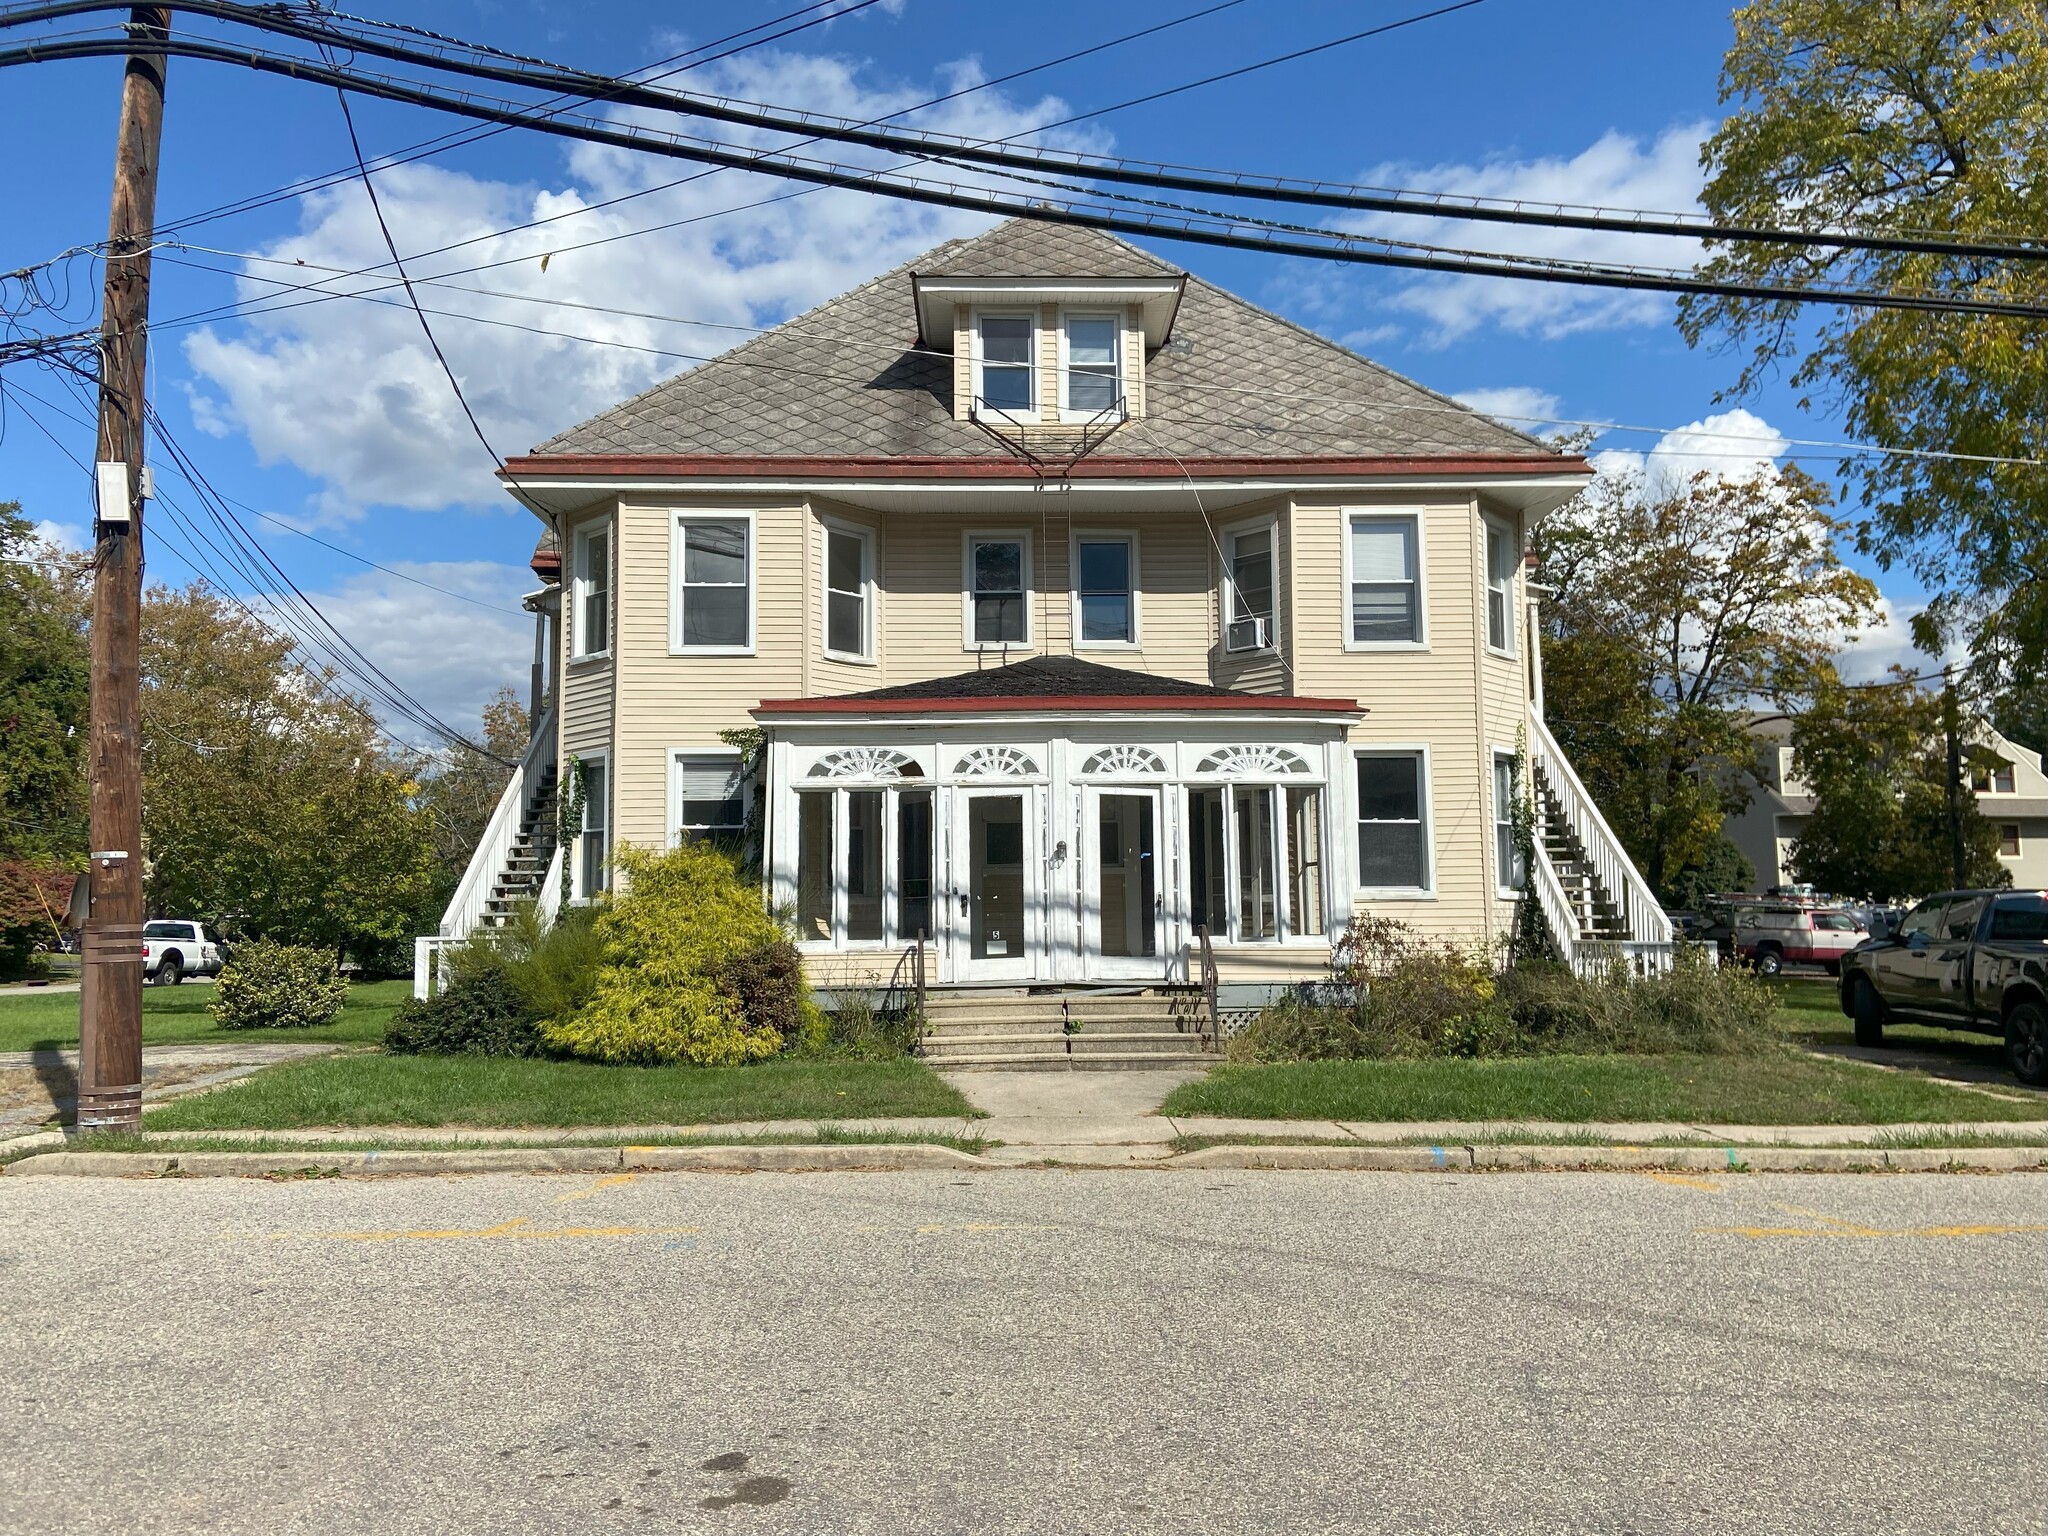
[
  {"x": 1770, "y": 1089},
  {"x": 364, "y": 1089},
  {"x": 175, "y": 1015}
]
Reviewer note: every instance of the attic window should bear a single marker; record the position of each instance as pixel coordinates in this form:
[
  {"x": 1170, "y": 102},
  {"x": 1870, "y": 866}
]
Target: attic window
[{"x": 1004, "y": 378}]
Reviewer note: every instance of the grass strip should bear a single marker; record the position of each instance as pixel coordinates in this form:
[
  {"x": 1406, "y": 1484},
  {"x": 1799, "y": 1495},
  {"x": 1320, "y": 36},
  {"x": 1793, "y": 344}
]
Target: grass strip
[
  {"x": 498, "y": 1093},
  {"x": 1777, "y": 1087},
  {"x": 37, "y": 1021},
  {"x": 1884, "y": 1141}
]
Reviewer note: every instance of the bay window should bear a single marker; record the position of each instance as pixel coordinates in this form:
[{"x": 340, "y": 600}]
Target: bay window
[
  {"x": 1393, "y": 845},
  {"x": 592, "y": 619},
  {"x": 1248, "y": 590},
  {"x": 849, "y": 586},
  {"x": 1500, "y": 586},
  {"x": 1386, "y": 585},
  {"x": 714, "y": 598}
]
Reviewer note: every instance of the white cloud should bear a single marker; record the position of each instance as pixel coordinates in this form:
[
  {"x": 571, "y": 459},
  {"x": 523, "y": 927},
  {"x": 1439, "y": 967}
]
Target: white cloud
[
  {"x": 449, "y": 654},
  {"x": 62, "y": 536},
  {"x": 1735, "y": 444},
  {"x": 1888, "y": 642},
  {"x": 1516, "y": 405},
  {"x": 1617, "y": 171},
  {"x": 350, "y": 393}
]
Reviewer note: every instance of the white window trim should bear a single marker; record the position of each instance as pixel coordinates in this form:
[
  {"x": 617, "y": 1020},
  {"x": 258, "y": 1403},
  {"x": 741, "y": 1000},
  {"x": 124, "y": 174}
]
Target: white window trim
[
  {"x": 579, "y": 650},
  {"x": 1426, "y": 892},
  {"x": 580, "y": 895},
  {"x": 677, "y": 522},
  {"x": 1501, "y": 888},
  {"x": 1389, "y": 514},
  {"x": 1229, "y": 536},
  {"x": 675, "y": 782},
  {"x": 1128, "y": 536},
  {"x": 868, "y": 654},
  {"x": 968, "y": 540},
  {"x": 1069, "y": 413},
  {"x": 997, "y": 413},
  {"x": 1489, "y": 522}
]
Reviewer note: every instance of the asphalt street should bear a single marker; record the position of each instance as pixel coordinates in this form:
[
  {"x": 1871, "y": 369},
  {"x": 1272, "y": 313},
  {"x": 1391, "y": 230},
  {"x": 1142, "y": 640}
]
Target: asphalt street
[{"x": 1042, "y": 1352}]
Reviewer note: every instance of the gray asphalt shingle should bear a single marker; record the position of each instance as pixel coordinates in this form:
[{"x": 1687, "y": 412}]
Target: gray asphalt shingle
[{"x": 847, "y": 380}]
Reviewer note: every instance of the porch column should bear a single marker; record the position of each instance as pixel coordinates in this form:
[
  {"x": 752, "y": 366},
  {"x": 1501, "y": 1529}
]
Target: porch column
[{"x": 1536, "y": 645}]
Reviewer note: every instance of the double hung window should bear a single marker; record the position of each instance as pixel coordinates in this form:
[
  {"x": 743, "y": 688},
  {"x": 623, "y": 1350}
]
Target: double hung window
[
  {"x": 998, "y": 610},
  {"x": 593, "y": 617},
  {"x": 1508, "y": 871},
  {"x": 710, "y": 805},
  {"x": 1393, "y": 849},
  {"x": 1386, "y": 589},
  {"x": 1500, "y": 586},
  {"x": 849, "y": 582},
  {"x": 1006, "y": 381},
  {"x": 2008, "y": 840},
  {"x": 593, "y": 852},
  {"x": 1103, "y": 589},
  {"x": 1092, "y": 383},
  {"x": 714, "y": 584},
  {"x": 1249, "y": 591},
  {"x": 1996, "y": 779}
]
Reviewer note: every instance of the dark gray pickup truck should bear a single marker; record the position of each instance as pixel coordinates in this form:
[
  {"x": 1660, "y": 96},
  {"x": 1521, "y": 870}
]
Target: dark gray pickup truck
[{"x": 1974, "y": 960}]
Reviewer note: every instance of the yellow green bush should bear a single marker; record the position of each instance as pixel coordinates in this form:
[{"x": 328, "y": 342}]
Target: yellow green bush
[{"x": 685, "y": 922}]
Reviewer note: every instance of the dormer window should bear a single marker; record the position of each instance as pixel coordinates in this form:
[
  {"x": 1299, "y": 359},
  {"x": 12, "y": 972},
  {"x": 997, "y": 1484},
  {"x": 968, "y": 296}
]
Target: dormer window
[
  {"x": 1005, "y": 379},
  {"x": 1091, "y": 377}
]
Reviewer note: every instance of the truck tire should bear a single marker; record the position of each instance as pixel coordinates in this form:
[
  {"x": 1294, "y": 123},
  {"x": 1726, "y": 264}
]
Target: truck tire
[
  {"x": 1769, "y": 960},
  {"x": 1867, "y": 1008},
  {"x": 170, "y": 970},
  {"x": 2026, "y": 1043}
]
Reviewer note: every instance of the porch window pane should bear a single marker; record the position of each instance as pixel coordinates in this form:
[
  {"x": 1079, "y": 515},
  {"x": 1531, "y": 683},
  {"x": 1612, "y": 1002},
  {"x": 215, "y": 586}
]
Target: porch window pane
[
  {"x": 1390, "y": 844},
  {"x": 998, "y": 575},
  {"x": 593, "y": 595},
  {"x": 814, "y": 866},
  {"x": 995, "y": 836},
  {"x": 1126, "y": 887},
  {"x": 864, "y": 865},
  {"x": 1208, "y": 906},
  {"x": 1305, "y": 860},
  {"x": 1256, "y": 915},
  {"x": 1384, "y": 607},
  {"x": 1251, "y": 591},
  {"x": 914, "y": 865},
  {"x": 1105, "y": 587}
]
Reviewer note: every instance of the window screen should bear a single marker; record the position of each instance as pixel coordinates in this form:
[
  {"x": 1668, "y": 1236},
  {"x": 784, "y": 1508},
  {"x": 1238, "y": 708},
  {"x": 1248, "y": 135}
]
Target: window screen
[{"x": 1390, "y": 840}]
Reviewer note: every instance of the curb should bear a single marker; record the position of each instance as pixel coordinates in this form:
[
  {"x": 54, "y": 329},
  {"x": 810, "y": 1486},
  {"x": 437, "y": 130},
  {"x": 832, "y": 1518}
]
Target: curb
[
  {"x": 1460, "y": 1159},
  {"x": 314, "y": 1163}
]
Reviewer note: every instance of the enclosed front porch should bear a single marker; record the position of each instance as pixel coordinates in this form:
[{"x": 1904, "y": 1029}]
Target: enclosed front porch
[{"x": 1039, "y": 838}]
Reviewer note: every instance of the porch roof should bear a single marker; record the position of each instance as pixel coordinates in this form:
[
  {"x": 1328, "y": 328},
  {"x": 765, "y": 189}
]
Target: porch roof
[{"x": 1053, "y": 683}]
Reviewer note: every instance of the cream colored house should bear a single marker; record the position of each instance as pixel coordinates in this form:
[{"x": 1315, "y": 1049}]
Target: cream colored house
[
  {"x": 1088, "y": 614},
  {"x": 2011, "y": 791}
]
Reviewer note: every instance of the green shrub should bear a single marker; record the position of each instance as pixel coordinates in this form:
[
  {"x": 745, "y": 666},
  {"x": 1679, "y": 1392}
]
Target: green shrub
[
  {"x": 552, "y": 966},
  {"x": 683, "y": 921},
  {"x": 277, "y": 986},
  {"x": 767, "y": 982},
  {"x": 1400, "y": 995},
  {"x": 479, "y": 1013}
]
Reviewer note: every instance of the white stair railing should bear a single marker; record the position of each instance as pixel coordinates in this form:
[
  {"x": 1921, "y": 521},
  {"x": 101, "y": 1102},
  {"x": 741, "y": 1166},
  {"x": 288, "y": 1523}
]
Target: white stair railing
[
  {"x": 494, "y": 849},
  {"x": 1555, "y": 905},
  {"x": 1636, "y": 903}
]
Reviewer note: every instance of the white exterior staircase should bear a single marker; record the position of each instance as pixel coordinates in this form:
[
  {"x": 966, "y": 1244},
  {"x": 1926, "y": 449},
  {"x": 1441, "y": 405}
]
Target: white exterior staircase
[{"x": 1599, "y": 908}]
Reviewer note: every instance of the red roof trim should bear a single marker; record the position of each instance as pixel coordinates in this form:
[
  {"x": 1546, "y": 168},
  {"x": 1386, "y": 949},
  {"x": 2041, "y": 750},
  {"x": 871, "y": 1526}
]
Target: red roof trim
[
  {"x": 1100, "y": 467},
  {"x": 1249, "y": 703}
]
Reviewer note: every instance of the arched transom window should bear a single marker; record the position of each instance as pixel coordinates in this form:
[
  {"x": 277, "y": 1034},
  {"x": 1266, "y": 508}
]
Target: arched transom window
[
  {"x": 1125, "y": 761},
  {"x": 1254, "y": 761},
  {"x": 995, "y": 763},
  {"x": 866, "y": 763}
]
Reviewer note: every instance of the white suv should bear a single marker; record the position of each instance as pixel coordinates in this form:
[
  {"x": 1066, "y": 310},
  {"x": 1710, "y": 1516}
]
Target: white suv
[{"x": 173, "y": 949}]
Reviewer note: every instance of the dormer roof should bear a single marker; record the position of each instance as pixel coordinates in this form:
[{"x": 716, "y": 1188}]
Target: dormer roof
[{"x": 850, "y": 381}]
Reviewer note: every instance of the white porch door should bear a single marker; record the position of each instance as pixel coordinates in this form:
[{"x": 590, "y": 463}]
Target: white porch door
[
  {"x": 994, "y": 885},
  {"x": 1124, "y": 884}
]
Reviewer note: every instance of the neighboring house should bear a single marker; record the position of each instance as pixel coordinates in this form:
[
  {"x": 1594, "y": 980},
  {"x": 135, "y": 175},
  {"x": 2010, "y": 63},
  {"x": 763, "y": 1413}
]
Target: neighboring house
[
  {"x": 1085, "y": 610},
  {"x": 2012, "y": 796}
]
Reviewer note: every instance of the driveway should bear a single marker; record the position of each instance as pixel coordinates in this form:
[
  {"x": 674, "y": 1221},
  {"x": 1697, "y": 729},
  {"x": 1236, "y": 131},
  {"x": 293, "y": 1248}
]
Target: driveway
[{"x": 37, "y": 1087}]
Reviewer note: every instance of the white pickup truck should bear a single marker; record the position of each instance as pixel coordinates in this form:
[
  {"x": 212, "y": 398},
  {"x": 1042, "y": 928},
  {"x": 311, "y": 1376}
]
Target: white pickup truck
[{"x": 173, "y": 949}]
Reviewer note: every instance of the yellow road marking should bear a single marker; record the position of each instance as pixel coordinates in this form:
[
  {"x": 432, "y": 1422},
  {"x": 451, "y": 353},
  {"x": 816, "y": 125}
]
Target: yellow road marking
[
  {"x": 1684, "y": 1181},
  {"x": 1844, "y": 1229},
  {"x": 609, "y": 1181}
]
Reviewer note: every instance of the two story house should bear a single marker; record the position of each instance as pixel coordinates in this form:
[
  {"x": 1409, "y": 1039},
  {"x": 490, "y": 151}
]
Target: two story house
[{"x": 1091, "y": 620}]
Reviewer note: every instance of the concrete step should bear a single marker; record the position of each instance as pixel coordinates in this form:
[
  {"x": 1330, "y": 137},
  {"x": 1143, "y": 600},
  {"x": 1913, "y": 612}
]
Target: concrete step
[
  {"x": 1001, "y": 1062},
  {"x": 1088, "y": 1040},
  {"x": 1036, "y": 1012},
  {"x": 1093, "y": 1023}
]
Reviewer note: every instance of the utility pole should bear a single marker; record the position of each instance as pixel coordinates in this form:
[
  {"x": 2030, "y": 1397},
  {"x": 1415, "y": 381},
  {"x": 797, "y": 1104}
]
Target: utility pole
[
  {"x": 1952, "y": 729},
  {"x": 110, "y": 993}
]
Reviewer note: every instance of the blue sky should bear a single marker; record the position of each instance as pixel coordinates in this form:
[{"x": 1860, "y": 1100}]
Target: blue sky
[{"x": 332, "y": 417}]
